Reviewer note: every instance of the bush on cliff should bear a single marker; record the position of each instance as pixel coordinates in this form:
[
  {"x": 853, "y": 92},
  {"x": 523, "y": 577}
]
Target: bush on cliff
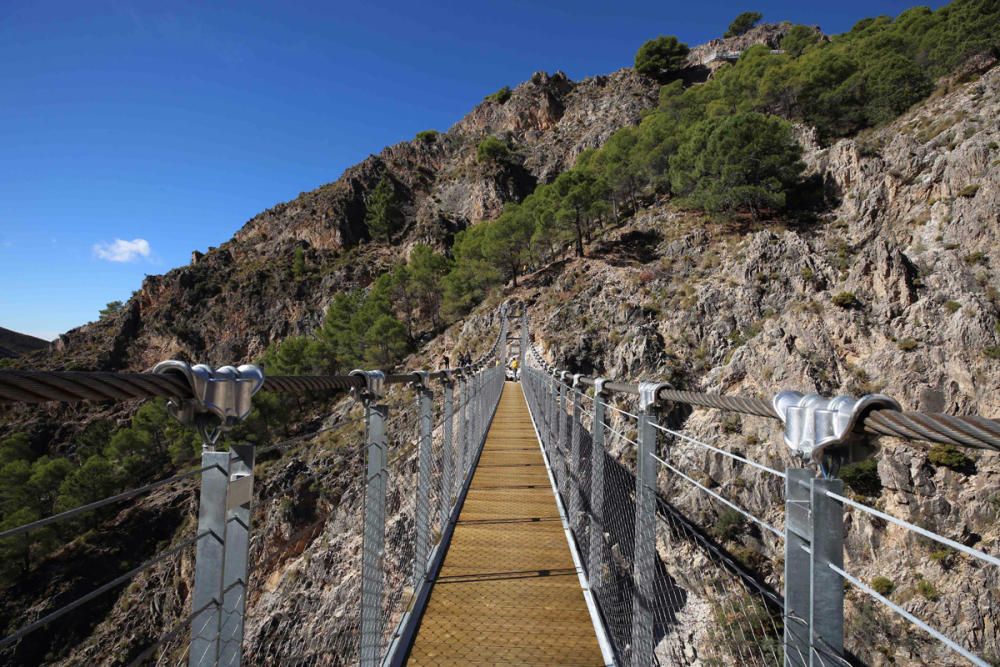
[{"x": 661, "y": 57}]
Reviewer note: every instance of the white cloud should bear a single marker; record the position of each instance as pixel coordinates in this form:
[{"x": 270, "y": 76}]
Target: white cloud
[{"x": 122, "y": 251}]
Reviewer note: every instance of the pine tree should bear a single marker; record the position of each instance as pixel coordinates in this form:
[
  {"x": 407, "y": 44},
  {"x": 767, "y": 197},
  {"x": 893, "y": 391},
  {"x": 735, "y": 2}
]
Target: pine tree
[
  {"x": 384, "y": 214},
  {"x": 748, "y": 161},
  {"x": 661, "y": 56},
  {"x": 742, "y": 23}
]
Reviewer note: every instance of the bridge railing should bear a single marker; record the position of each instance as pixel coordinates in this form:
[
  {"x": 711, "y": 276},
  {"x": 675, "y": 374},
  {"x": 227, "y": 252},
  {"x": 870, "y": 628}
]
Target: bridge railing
[
  {"x": 683, "y": 567},
  {"x": 421, "y": 432}
]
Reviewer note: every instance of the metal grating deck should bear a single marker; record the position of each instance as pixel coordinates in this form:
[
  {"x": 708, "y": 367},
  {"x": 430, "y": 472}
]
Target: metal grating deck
[{"x": 508, "y": 592}]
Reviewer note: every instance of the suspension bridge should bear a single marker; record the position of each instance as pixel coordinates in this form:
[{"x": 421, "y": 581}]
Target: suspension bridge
[{"x": 541, "y": 518}]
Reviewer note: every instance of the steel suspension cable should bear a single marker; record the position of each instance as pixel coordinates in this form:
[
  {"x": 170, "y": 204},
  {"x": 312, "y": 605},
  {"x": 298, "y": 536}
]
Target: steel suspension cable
[
  {"x": 97, "y": 504},
  {"x": 117, "y": 581}
]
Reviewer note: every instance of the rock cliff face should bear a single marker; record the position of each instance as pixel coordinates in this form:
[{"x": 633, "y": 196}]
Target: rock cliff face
[
  {"x": 894, "y": 290},
  {"x": 228, "y": 304},
  {"x": 13, "y": 343},
  {"x": 232, "y": 301}
]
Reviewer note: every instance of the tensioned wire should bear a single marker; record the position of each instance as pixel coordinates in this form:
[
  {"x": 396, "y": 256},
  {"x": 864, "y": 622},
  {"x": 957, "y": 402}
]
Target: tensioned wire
[
  {"x": 117, "y": 581},
  {"x": 742, "y": 642}
]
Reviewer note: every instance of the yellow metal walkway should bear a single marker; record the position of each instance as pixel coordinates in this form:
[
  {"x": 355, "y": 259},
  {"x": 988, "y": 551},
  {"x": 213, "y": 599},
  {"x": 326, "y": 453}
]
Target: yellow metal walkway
[{"x": 508, "y": 592}]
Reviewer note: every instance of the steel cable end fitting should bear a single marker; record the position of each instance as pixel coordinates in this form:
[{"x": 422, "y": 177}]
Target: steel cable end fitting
[
  {"x": 221, "y": 397},
  {"x": 576, "y": 379},
  {"x": 816, "y": 425},
  {"x": 421, "y": 380},
  {"x": 649, "y": 393},
  {"x": 374, "y": 388},
  {"x": 599, "y": 386}
]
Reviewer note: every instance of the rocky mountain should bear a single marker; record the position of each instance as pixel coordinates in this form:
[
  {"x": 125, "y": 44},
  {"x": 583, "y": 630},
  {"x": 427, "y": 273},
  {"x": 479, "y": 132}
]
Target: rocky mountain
[
  {"x": 232, "y": 301},
  {"x": 894, "y": 290},
  {"x": 13, "y": 344},
  {"x": 891, "y": 288}
]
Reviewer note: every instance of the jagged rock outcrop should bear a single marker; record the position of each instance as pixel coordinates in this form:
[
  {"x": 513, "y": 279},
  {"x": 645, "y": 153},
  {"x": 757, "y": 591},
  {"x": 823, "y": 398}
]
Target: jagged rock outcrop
[
  {"x": 909, "y": 251},
  {"x": 232, "y": 301},
  {"x": 13, "y": 343}
]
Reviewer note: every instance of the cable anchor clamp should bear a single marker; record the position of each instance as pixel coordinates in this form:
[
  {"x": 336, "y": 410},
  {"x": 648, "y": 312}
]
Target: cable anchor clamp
[
  {"x": 649, "y": 394},
  {"x": 221, "y": 397},
  {"x": 816, "y": 425},
  {"x": 374, "y": 387},
  {"x": 421, "y": 380}
]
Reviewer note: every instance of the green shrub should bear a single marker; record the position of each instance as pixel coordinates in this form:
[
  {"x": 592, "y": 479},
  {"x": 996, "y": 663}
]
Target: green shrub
[
  {"x": 845, "y": 300},
  {"x": 969, "y": 191},
  {"x": 907, "y": 344},
  {"x": 742, "y": 23},
  {"x": 428, "y": 136},
  {"x": 941, "y": 556},
  {"x": 16, "y": 447},
  {"x": 492, "y": 149},
  {"x": 992, "y": 352},
  {"x": 927, "y": 590},
  {"x": 952, "y": 306},
  {"x": 893, "y": 83},
  {"x": 882, "y": 585},
  {"x": 112, "y": 309},
  {"x": 732, "y": 423},
  {"x": 500, "y": 96},
  {"x": 728, "y": 525},
  {"x": 661, "y": 57},
  {"x": 798, "y": 39},
  {"x": 748, "y": 161},
  {"x": 862, "y": 477},
  {"x": 369, "y": 328},
  {"x": 299, "y": 263},
  {"x": 748, "y": 557},
  {"x": 949, "y": 456}
]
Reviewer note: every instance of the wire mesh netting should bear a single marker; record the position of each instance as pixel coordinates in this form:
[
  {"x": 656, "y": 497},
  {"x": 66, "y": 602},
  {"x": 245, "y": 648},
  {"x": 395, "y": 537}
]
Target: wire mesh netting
[{"x": 703, "y": 604}]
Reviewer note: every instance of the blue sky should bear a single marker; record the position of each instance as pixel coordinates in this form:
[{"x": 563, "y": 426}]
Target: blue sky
[{"x": 134, "y": 132}]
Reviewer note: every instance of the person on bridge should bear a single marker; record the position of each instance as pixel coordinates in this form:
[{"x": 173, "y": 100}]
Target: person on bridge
[{"x": 513, "y": 369}]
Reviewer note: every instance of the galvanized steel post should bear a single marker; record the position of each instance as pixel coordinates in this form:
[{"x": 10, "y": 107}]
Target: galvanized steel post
[
  {"x": 826, "y": 588},
  {"x": 463, "y": 397},
  {"x": 814, "y": 593},
  {"x": 239, "y": 496},
  {"x": 576, "y": 478},
  {"x": 644, "y": 561},
  {"x": 209, "y": 559},
  {"x": 798, "y": 529},
  {"x": 554, "y": 426},
  {"x": 596, "y": 536},
  {"x": 524, "y": 338},
  {"x": 477, "y": 414},
  {"x": 422, "y": 508},
  {"x": 824, "y": 431},
  {"x": 562, "y": 437},
  {"x": 221, "y": 398},
  {"x": 373, "y": 543},
  {"x": 447, "y": 450}
]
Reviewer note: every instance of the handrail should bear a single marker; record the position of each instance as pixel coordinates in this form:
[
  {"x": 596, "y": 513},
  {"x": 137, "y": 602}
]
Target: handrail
[{"x": 961, "y": 430}]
